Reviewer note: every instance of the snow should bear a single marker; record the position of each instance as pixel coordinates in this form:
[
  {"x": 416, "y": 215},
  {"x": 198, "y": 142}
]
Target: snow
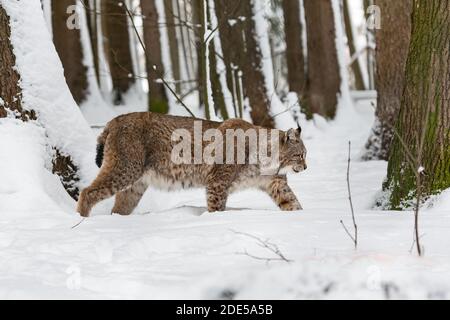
[
  {"x": 172, "y": 248},
  {"x": 44, "y": 87}
]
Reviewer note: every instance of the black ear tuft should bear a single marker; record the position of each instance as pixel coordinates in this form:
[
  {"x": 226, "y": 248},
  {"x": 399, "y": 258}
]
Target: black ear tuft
[{"x": 299, "y": 129}]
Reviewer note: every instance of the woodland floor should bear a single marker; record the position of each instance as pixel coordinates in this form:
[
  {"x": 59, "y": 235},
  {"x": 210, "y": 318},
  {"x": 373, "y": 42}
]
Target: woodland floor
[{"x": 171, "y": 248}]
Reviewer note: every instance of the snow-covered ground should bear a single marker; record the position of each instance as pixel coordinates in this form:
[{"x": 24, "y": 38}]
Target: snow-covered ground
[{"x": 172, "y": 248}]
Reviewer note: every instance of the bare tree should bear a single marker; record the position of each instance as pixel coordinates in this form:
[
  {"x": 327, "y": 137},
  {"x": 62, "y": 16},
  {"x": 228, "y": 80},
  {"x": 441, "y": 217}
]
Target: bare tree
[
  {"x": 391, "y": 54},
  {"x": 241, "y": 50},
  {"x": 152, "y": 38},
  {"x": 173, "y": 42},
  {"x": 117, "y": 47},
  {"x": 294, "y": 46},
  {"x": 356, "y": 66},
  {"x": 70, "y": 50},
  {"x": 324, "y": 80}
]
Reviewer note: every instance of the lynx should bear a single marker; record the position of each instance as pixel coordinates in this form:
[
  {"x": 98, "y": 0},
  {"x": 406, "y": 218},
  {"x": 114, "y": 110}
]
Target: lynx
[{"x": 136, "y": 150}]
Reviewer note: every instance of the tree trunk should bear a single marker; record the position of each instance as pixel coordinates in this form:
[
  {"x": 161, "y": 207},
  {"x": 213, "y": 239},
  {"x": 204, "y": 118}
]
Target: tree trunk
[
  {"x": 240, "y": 49},
  {"x": 11, "y": 104},
  {"x": 356, "y": 66},
  {"x": 152, "y": 38},
  {"x": 68, "y": 45},
  {"x": 10, "y": 91},
  {"x": 424, "y": 119},
  {"x": 117, "y": 46},
  {"x": 391, "y": 54},
  {"x": 324, "y": 80},
  {"x": 173, "y": 42},
  {"x": 294, "y": 48},
  {"x": 92, "y": 24}
]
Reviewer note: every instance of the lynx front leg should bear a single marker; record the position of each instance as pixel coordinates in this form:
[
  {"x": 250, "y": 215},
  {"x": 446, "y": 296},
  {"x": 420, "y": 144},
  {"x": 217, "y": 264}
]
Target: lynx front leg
[
  {"x": 282, "y": 194},
  {"x": 217, "y": 196},
  {"x": 218, "y": 186},
  {"x": 127, "y": 200}
]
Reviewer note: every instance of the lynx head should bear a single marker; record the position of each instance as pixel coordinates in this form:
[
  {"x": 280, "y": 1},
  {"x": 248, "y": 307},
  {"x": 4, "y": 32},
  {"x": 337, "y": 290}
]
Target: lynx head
[{"x": 292, "y": 152}]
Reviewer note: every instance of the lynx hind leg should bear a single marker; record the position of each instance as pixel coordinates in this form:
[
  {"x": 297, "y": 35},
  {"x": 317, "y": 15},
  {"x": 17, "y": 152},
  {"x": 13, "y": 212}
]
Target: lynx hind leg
[
  {"x": 282, "y": 194},
  {"x": 127, "y": 200},
  {"x": 218, "y": 188},
  {"x": 107, "y": 184}
]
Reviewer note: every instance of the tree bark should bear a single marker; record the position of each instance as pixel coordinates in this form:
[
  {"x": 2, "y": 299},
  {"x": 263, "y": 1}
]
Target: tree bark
[
  {"x": 152, "y": 38},
  {"x": 117, "y": 47},
  {"x": 11, "y": 104},
  {"x": 240, "y": 49},
  {"x": 324, "y": 80},
  {"x": 424, "y": 119},
  {"x": 356, "y": 66},
  {"x": 391, "y": 54},
  {"x": 173, "y": 42},
  {"x": 294, "y": 46},
  {"x": 92, "y": 24},
  {"x": 69, "y": 47}
]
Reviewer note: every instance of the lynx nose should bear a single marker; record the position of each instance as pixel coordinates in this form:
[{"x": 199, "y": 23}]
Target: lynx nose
[{"x": 305, "y": 166}]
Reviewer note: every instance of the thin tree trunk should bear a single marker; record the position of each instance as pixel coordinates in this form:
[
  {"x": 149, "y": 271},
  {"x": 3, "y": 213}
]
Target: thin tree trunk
[
  {"x": 11, "y": 104},
  {"x": 392, "y": 51},
  {"x": 92, "y": 24},
  {"x": 356, "y": 66},
  {"x": 69, "y": 47},
  {"x": 152, "y": 38},
  {"x": 324, "y": 80},
  {"x": 424, "y": 119},
  {"x": 294, "y": 49},
  {"x": 117, "y": 47},
  {"x": 173, "y": 42}
]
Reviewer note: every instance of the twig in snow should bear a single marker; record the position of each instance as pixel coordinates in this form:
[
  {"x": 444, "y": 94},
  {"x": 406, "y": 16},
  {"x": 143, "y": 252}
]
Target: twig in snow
[
  {"x": 354, "y": 237},
  {"x": 266, "y": 245},
  {"x": 81, "y": 221}
]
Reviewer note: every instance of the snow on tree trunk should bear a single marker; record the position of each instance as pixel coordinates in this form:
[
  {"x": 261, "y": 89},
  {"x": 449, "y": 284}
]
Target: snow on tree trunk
[
  {"x": 117, "y": 46},
  {"x": 424, "y": 119},
  {"x": 33, "y": 87},
  {"x": 391, "y": 54},
  {"x": 152, "y": 38},
  {"x": 66, "y": 37}
]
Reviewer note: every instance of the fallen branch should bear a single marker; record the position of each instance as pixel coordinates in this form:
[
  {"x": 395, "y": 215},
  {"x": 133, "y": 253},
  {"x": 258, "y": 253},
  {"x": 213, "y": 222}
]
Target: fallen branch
[{"x": 266, "y": 245}]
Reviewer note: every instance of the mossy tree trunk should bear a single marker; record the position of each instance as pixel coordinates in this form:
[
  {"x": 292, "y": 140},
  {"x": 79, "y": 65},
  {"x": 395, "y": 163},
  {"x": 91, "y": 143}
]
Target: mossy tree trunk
[
  {"x": 391, "y": 54},
  {"x": 117, "y": 47},
  {"x": 324, "y": 80},
  {"x": 11, "y": 104},
  {"x": 424, "y": 119},
  {"x": 69, "y": 47},
  {"x": 158, "y": 101}
]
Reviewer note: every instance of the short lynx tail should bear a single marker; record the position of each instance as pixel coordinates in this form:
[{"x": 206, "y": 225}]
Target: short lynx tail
[
  {"x": 101, "y": 140},
  {"x": 99, "y": 156}
]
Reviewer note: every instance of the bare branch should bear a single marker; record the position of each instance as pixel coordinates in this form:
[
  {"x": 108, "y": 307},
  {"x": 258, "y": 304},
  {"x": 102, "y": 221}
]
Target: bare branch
[{"x": 266, "y": 244}]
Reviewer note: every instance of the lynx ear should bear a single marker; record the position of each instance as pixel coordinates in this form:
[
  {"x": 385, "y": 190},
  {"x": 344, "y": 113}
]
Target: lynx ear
[{"x": 291, "y": 134}]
